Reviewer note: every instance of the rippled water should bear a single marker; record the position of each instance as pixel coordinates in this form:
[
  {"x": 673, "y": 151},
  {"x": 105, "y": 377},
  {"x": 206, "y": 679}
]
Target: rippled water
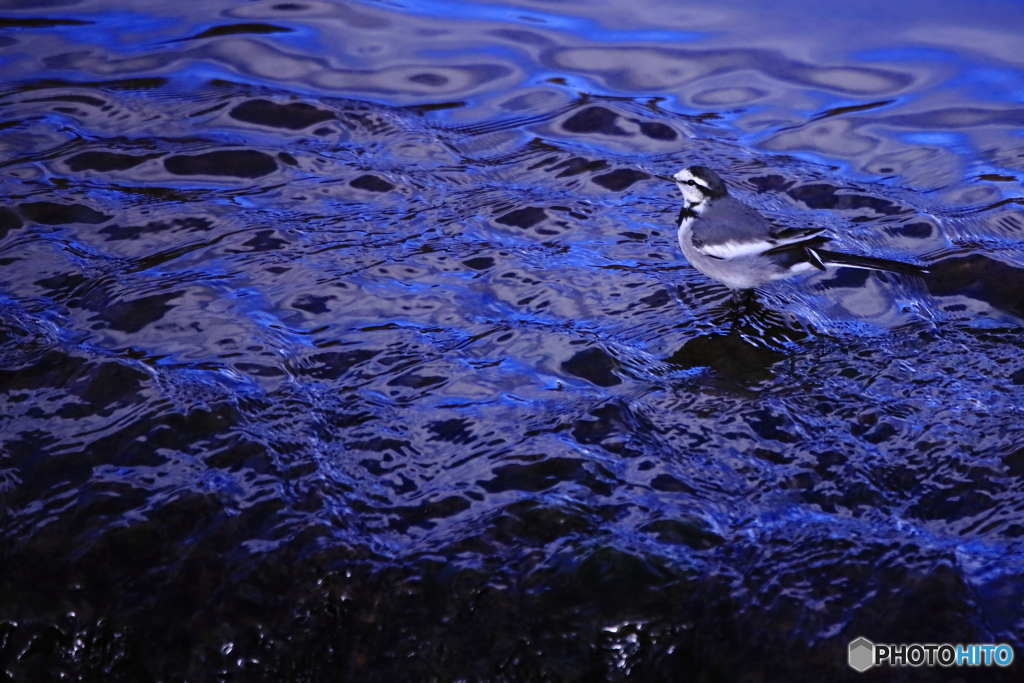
[{"x": 352, "y": 341}]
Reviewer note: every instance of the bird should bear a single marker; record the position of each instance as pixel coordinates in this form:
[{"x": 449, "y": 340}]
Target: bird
[{"x": 732, "y": 243}]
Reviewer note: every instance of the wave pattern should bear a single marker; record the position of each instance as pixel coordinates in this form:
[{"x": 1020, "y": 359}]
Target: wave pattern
[{"x": 338, "y": 388}]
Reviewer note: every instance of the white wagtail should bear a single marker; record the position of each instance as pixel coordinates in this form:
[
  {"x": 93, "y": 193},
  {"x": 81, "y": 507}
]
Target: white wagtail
[{"x": 730, "y": 242}]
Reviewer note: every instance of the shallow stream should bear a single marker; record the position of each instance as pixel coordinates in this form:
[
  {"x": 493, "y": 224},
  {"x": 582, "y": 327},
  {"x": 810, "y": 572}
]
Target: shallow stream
[{"x": 351, "y": 341}]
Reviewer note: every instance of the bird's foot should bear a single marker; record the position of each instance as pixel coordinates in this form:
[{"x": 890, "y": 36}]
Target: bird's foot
[{"x": 745, "y": 301}]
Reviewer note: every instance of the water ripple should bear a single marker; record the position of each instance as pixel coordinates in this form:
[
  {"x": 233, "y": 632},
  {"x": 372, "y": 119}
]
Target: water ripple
[{"x": 340, "y": 358}]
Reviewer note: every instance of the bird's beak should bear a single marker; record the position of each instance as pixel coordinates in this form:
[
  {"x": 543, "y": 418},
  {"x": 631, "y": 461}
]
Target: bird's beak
[{"x": 666, "y": 178}]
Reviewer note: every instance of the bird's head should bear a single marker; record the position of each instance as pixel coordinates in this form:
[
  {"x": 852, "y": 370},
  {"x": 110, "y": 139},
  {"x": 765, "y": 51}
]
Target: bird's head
[{"x": 699, "y": 184}]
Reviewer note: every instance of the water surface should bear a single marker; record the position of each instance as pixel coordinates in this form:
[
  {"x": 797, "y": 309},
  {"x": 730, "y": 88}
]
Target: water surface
[{"x": 350, "y": 341}]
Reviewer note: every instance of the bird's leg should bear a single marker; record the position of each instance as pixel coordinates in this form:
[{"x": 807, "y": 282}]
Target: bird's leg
[
  {"x": 739, "y": 301},
  {"x": 744, "y": 298}
]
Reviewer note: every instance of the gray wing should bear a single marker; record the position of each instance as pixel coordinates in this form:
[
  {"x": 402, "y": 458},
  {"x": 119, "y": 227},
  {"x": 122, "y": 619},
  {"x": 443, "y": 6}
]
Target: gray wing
[{"x": 728, "y": 221}]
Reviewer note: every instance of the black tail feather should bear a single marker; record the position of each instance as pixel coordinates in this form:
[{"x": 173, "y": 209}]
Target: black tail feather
[{"x": 868, "y": 262}]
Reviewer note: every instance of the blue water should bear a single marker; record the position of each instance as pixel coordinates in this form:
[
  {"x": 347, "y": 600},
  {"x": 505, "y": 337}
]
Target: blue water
[{"x": 353, "y": 342}]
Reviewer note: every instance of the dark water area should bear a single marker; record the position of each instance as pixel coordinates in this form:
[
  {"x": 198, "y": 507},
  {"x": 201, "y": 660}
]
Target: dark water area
[{"x": 352, "y": 341}]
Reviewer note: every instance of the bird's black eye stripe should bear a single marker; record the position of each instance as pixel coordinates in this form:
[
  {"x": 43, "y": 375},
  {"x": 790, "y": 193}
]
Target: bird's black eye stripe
[{"x": 690, "y": 182}]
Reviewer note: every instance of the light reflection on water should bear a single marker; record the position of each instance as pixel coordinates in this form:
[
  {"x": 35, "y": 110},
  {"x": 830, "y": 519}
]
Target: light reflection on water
[{"x": 329, "y": 329}]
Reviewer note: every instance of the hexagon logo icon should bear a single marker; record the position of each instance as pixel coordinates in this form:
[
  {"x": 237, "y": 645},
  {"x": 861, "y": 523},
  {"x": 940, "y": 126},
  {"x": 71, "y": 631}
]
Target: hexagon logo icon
[{"x": 862, "y": 654}]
